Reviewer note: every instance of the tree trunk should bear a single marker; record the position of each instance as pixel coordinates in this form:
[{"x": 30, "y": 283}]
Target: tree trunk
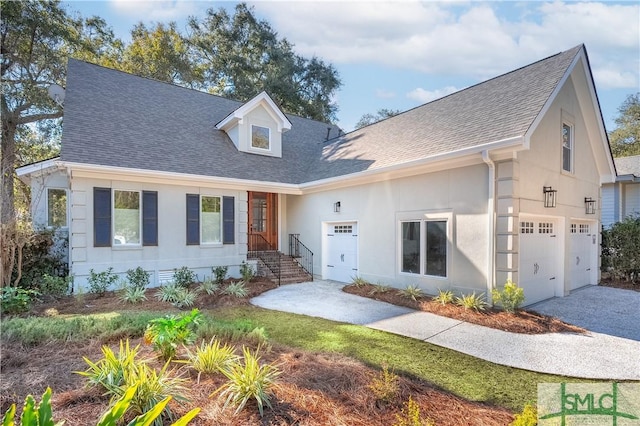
[{"x": 7, "y": 166}]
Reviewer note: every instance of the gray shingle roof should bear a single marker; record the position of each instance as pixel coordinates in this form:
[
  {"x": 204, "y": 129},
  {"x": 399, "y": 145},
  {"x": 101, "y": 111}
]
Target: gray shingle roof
[
  {"x": 117, "y": 119},
  {"x": 628, "y": 165}
]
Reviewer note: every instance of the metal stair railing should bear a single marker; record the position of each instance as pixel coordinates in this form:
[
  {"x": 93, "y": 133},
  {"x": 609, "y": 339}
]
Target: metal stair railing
[
  {"x": 301, "y": 254},
  {"x": 260, "y": 248}
]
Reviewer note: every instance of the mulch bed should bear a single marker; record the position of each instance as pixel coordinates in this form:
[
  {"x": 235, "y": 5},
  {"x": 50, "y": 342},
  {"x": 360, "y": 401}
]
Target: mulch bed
[{"x": 526, "y": 322}]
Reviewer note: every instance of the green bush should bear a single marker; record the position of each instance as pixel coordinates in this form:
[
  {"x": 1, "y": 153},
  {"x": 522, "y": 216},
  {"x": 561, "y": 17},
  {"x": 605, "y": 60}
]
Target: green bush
[
  {"x": 43, "y": 254},
  {"x": 100, "y": 282},
  {"x": 183, "y": 276},
  {"x": 138, "y": 277},
  {"x": 220, "y": 272},
  {"x": 246, "y": 272},
  {"x": 54, "y": 285},
  {"x": 248, "y": 380},
  {"x": 621, "y": 249},
  {"x": 510, "y": 298},
  {"x": 528, "y": 417},
  {"x": 170, "y": 331},
  {"x": 16, "y": 300}
]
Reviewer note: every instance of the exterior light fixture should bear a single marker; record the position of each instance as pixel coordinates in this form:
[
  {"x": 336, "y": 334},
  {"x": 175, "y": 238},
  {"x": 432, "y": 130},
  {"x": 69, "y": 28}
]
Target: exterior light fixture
[
  {"x": 336, "y": 207},
  {"x": 589, "y": 205},
  {"x": 549, "y": 196}
]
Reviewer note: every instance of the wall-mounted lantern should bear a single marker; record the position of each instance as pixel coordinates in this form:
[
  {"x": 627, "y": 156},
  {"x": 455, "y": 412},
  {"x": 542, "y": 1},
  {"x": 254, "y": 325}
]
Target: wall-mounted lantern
[
  {"x": 549, "y": 196},
  {"x": 336, "y": 207},
  {"x": 589, "y": 205}
]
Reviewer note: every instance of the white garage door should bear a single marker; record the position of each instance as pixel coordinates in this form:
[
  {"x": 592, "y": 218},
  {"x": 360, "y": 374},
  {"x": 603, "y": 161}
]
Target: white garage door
[
  {"x": 584, "y": 242},
  {"x": 341, "y": 251},
  {"x": 538, "y": 259}
]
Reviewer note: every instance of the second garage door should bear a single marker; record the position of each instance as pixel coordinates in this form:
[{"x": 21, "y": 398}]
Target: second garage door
[
  {"x": 538, "y": 259},
  {"x": 583, "y": 253},
  {"x": 341, "y": 251}
]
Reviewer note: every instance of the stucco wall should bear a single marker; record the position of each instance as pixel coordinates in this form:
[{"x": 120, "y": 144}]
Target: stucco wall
[
  {"x": 39, "y": 184},
  {"x": 171, "y": 252},
  {"x": 378, "y": 209}
]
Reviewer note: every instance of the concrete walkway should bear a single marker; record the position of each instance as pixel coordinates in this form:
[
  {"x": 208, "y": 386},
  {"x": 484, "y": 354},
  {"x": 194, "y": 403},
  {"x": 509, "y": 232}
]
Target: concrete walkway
[{"x": 594, "y": 355}]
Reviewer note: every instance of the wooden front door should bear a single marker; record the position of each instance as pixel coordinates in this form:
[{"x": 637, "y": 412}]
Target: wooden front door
[{"x": 263, "y": 221}]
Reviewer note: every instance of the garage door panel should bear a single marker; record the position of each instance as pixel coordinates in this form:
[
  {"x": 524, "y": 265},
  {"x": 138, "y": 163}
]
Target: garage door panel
[
  {"x": 341, "y": 251},
  {"x": 538, "y": 259},
  {"x": 582, "y": 256}
]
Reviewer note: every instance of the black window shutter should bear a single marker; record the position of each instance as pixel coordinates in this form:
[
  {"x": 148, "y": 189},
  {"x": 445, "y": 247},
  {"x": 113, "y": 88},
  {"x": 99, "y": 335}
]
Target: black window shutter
[
  {"x": 193, "y": 219},
  {"x": 228, "y": 220},
  {"x": 149, "y": 218},
  {"x": 102, "y": 217}
]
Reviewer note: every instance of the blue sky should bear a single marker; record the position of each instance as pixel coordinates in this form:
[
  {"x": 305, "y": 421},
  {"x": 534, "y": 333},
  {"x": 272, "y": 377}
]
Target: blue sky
[{"x": 401, "y": 54}]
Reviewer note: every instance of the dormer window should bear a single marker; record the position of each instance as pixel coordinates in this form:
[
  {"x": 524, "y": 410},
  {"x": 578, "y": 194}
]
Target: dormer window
[{"x": 260, "y": 137}]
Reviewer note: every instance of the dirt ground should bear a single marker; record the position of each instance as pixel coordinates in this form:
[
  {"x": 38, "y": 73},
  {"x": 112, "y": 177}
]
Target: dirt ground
[{"x": 314, "y": 389}]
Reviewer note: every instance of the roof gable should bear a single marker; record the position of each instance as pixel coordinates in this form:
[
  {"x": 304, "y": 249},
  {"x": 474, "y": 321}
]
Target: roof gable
[{"x": 262, "y": 99}]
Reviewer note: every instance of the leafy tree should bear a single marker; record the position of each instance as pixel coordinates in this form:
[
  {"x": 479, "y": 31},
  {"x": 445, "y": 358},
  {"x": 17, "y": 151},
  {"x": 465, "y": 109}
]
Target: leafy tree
[
  {"x": 243, "y": 56},
  {"x": 625, "y": 139},
  {"x": 382, "y": 114},
  {"x": 160, "y": 53},
  {"x": 37, "y": 37}
]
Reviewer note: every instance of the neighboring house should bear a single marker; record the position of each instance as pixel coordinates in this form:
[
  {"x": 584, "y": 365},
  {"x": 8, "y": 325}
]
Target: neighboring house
[
  {"x": 622, "y": 198},
  {"x": 489, "y": 183}
]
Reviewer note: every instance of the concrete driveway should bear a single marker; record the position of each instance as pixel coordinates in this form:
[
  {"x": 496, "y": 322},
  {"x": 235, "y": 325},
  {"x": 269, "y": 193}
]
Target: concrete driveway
[
  {"x": 595, "y": 355},
  {"x": 603, "y": 310}
]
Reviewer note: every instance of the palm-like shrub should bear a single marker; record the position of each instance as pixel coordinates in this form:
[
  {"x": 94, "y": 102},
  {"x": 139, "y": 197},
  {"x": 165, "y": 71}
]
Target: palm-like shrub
[
  {"x": 359, "y": 281},
  {"x": 472, "y": 301},
  {"x": 212, "y": 357},
  {"x": 166, "y": 333},
  {"x": 209, "y": 286},
  {"x": 249, "y": 380},
  {"x": 412, "y": 292},
  {"x": 133, "y": 294},
  {"x": 236, "y": 289},
  {"x": 109, "y": 372},
  {"x": 444, "y": 297}
]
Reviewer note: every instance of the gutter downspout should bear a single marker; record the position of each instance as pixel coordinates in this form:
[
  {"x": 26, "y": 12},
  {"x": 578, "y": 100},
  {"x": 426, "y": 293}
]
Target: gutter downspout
[{"x": 491, "y": 208}]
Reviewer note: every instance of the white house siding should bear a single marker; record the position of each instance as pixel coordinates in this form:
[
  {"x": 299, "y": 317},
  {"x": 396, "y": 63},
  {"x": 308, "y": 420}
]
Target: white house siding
[
  {"x": 541, "y": 165},
  {"x": 57, "y": 178},
  {"x": 171, "y": 251},
  {"x": 631, "y": 199},
  {"x": 610, "y": 204},
  {"x": 377, "y": 208}
]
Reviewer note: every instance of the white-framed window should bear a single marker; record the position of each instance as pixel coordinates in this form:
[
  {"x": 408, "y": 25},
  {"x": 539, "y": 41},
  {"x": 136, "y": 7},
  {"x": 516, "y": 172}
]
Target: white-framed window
[
  {"x": 526, "y": 227},
  {"x": 573, "y": 228},
  {"x": 57, "y": 216},
  {"x": 210, "y": 219},
  {"x": 567, "y": 147},
  {"x": 545, "y": 228},
  {"x": 425, "y": 247},
  {"x": 127, "y": 217},
  {"x": 584, "y": 228},
  {"x": 260, "y": 137}
]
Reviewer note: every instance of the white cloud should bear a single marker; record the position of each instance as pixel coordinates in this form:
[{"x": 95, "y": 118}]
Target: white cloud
[
  {"x": 478, "y": 39},
  {"x": 423, "y": 96},
  {"x": 156, "y": 10},
  {"x": 385, "y": 94}
]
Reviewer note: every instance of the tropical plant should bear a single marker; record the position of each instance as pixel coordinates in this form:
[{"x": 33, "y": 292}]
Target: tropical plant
[
  {"x": 100, "y": 282},
  {"x": 472, "y": 301},
  {"x": 178, "y": 296},
  {"x": 54, "y": 285},
  {"x": 110, "y": 371},
  {"x": 412, "y": 292},
  {"x": 220, "y": 272},
  {"x": 247, "y": 272},
  {"x": 248, "y": 380},
  {"x": 510, "y": 297},
  {"x": 166, "y": 333},
  {"x": 211, "y": 357},
  {"x": 34, "y": 413},
  {"x": 15, "y": 300},
  {"x": 183, "y": 276},
  {"x": 410, "y": 415},
  {"x": 384, "y": 385},
  {"x": 379, "y": 289},
  {"x": 138, "y": 277},
  {"x": 528, "y": 417},
  {"x": 359, "y": 282},
  {"x": 209, "y": 286},
  {"x": 444, "y": 297},
  {"x": 133, "y": 294},
  {"x": 167, "y": 292},
  {"x": 236, "y": 289}
]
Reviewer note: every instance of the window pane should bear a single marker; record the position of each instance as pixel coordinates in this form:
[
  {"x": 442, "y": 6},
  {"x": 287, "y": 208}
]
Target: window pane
[
  {"x": 57, "y": 207},
  {"x": 436, "y": 244},
  {"x": 411, "y": 247},
  {"x": 126, "y": 217},
  {"x": 260, "y": 137},
  {"x": 210, "y": 220},
  {"x": 566, "y": 147}
]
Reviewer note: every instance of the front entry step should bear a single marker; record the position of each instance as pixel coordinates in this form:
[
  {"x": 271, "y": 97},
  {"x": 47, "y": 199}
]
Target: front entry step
[{"x": 290, "y": 271}]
